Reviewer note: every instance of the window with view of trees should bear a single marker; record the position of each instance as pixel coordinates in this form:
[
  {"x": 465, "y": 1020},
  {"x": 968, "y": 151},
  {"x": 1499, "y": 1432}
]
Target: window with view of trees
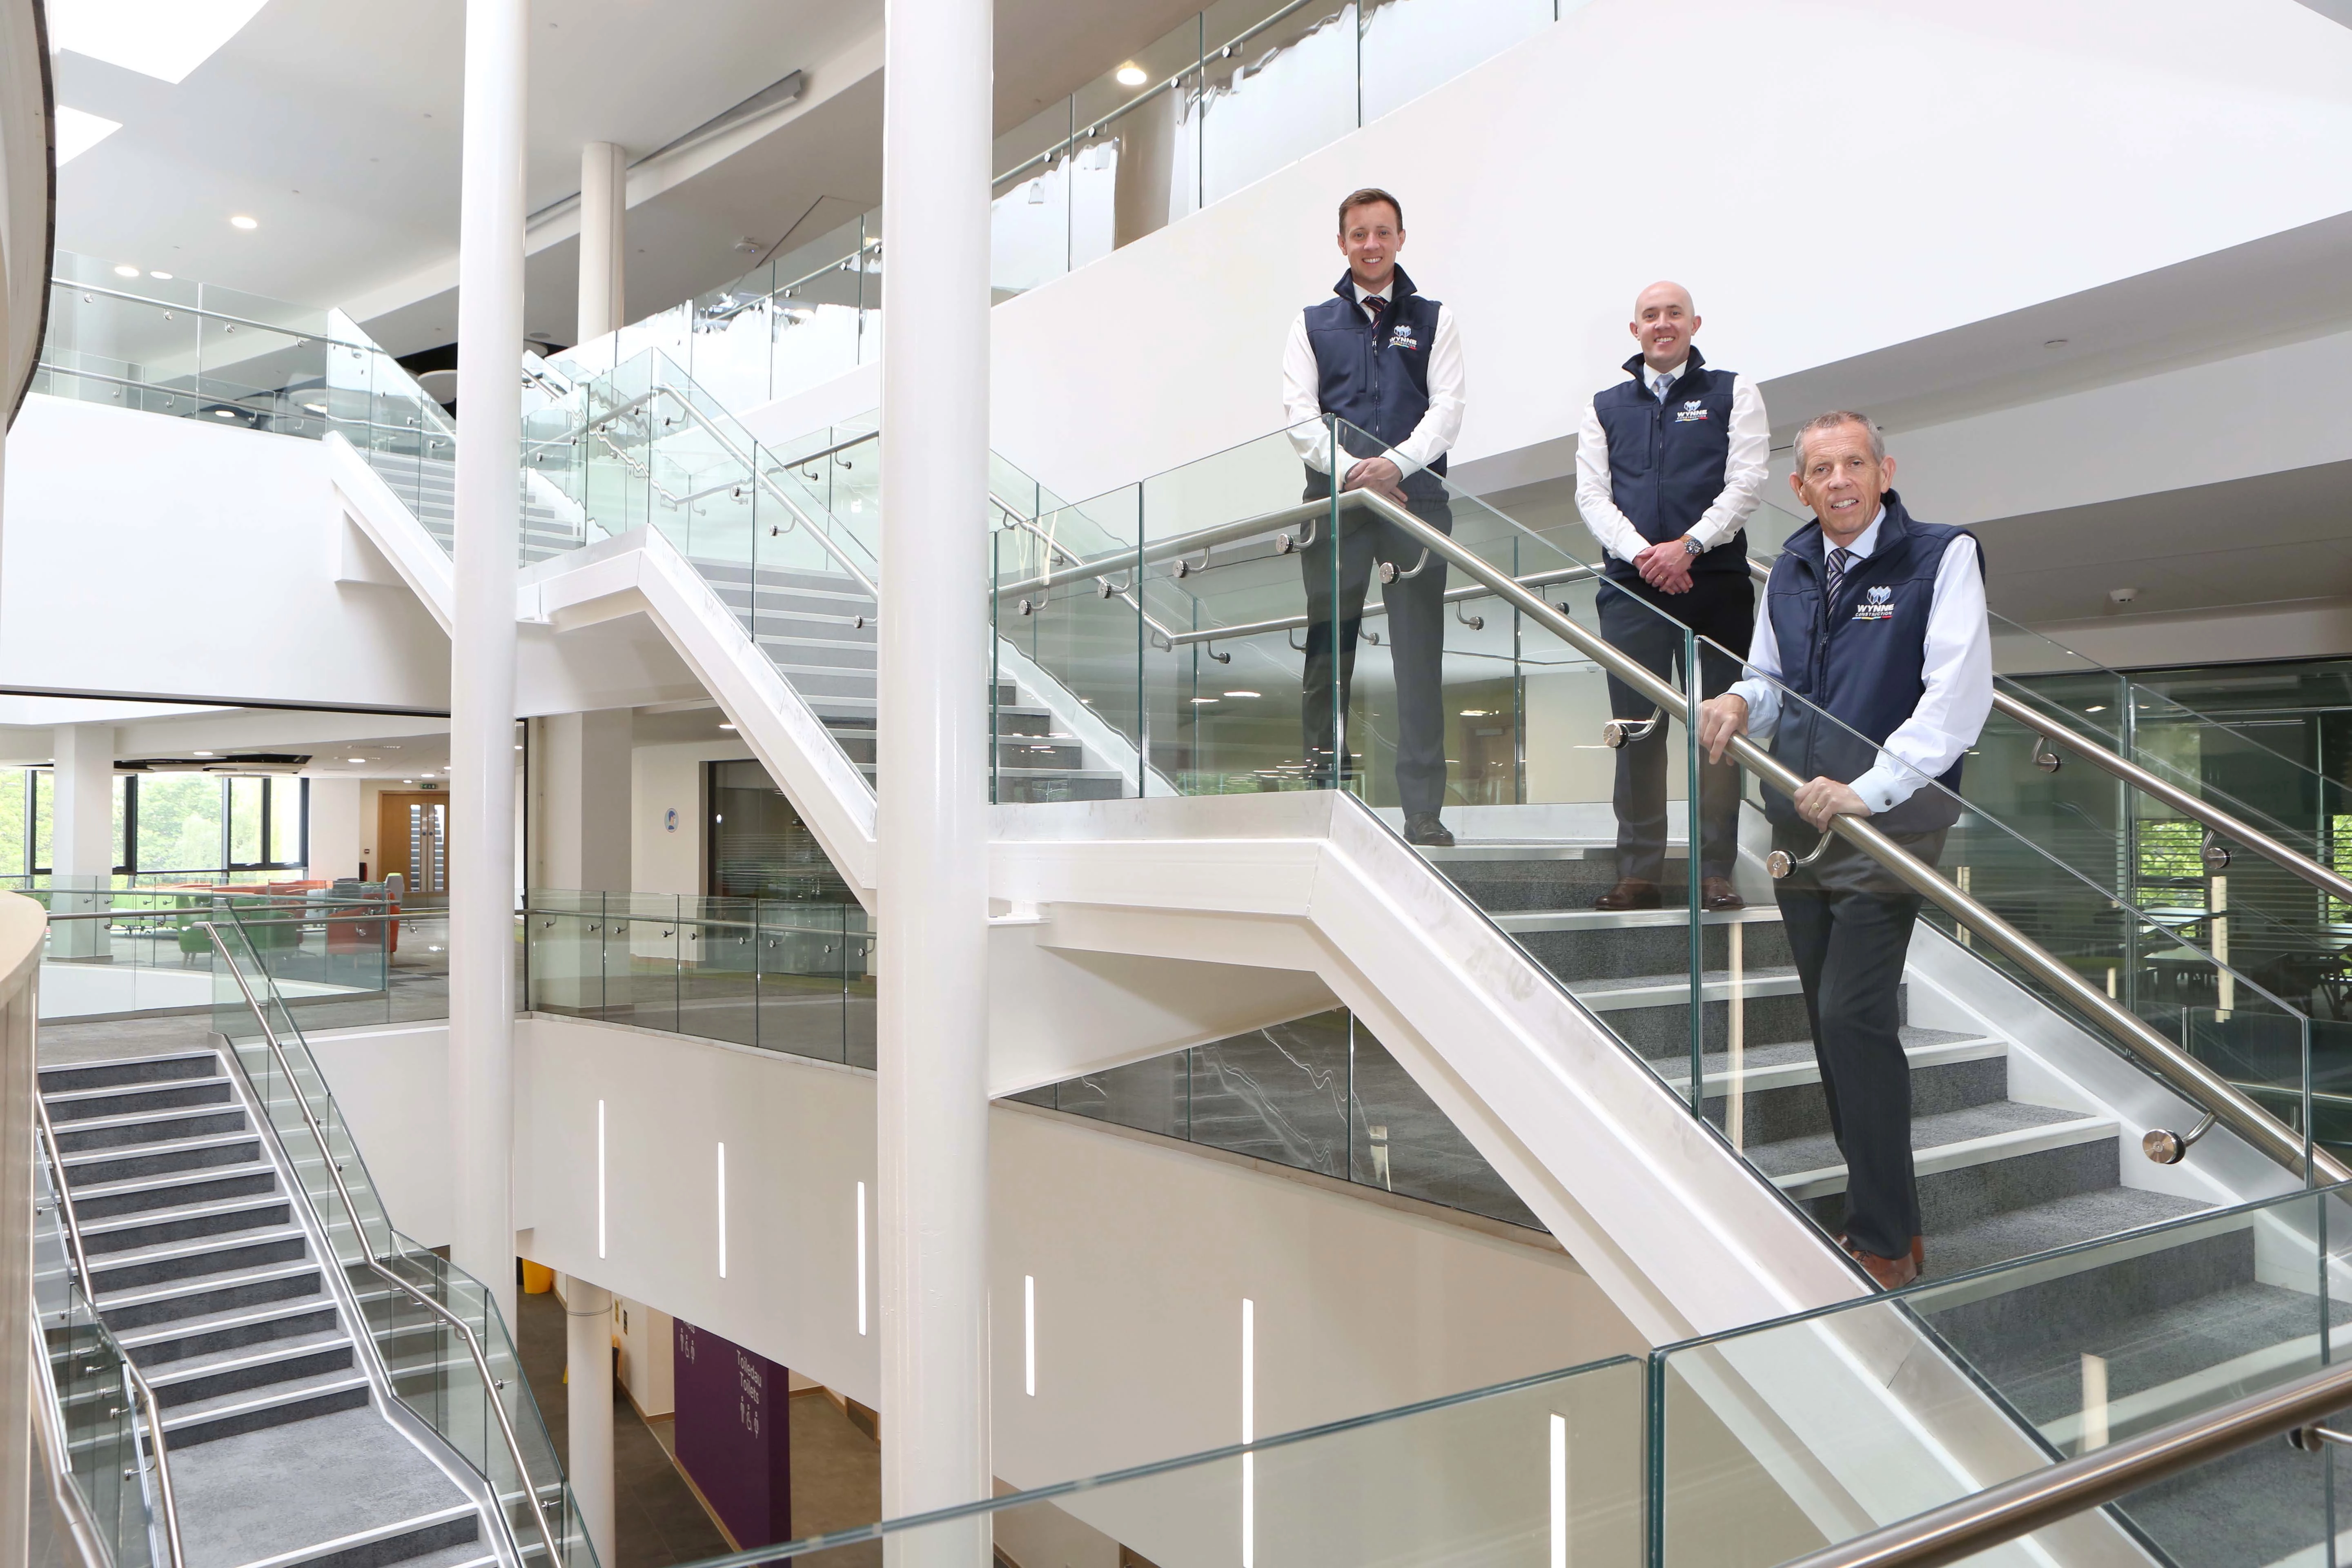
[{"x": 166, "y": 823}]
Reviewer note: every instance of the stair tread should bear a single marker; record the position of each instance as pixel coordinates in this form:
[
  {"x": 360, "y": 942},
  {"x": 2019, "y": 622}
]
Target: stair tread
[
  {"x": 57, "y": 1096},
  {"x": 263, "y": 1398},
  {"x": 259, "y": 1496},
  {"x": 2061, "y": 1222},
  {"x": 188, "y": 1369},
  {"x": 166, "y": 1146},
  {"x": 1783, "y": 1053},
  {"x": 123, "y": 1185},
  {"x": 135, "y": 1118},
  {"x": 113, "y": 1224},
  {"x": 192, "y": 1247},
  {"x": 198, "y": 1284},
  {"x": 1818, "y": 1151},
  {"x": 214, "y": 1322}
]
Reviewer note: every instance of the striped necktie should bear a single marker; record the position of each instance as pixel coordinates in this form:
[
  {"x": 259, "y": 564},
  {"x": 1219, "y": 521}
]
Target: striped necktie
[
  {"x": 1839, "y": 560},
  {"x": 1379, "y": 307}
]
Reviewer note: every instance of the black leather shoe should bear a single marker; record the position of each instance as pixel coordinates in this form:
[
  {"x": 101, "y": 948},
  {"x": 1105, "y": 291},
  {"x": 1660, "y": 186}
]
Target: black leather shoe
[
  {"x": 1630, "y": 894},
  {"x": 1718, "y": 894},
  {"x": 1422, "y": 827}
]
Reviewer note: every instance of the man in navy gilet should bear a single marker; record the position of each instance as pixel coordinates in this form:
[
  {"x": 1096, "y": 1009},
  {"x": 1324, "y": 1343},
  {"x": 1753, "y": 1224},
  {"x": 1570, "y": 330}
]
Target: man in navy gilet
[
  {"x": 1387, "y": 361},
  {"x": 1669, "y": 464},
  {"x": 1871, "y": 673}
]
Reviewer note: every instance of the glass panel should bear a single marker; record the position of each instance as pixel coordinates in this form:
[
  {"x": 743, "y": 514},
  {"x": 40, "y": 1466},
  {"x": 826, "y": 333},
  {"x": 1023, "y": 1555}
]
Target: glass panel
[
  {"x": 1779, "y": 1439},
  {"x": 179, "y": 822},
  {"x": 287, "y": 803},
  {"x": 1411, "y": 45},
  {"x": 1278, "y": 83},
  {"x": 1549, "y": 1470}
]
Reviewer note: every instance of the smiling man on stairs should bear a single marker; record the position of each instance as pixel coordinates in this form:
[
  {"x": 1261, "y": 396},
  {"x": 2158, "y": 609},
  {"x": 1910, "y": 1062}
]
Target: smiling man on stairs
[{"x": 1875, "y": 622}]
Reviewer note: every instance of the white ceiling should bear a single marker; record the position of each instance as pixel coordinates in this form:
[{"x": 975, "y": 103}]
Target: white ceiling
[{"x": 336, "y": 123}]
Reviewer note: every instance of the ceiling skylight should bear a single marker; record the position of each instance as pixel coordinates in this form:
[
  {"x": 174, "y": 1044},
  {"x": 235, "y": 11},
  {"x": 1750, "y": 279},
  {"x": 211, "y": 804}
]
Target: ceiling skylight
[
  {"x": 161, "y": 39},
  {"x": 77, "y": 132}
]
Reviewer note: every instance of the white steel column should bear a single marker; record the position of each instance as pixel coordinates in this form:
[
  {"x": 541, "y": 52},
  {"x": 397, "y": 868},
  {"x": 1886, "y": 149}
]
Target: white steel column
[
  {"x": 932, "y": 817},
  {"x": 603, "y": 238},
  {"x": 81, "y": 840},
  {"x": 588, "y": 1401},
  {"x": 482, "y": 648}
]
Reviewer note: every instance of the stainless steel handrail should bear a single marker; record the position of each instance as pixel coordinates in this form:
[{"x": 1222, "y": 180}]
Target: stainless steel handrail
[
  {"x": 491, "y": 1384},
  {"x": 2192, "y": 806},
  {"x": 1957, "y": 1531},
  {"x": 1452, "y": 596},
  {"x": 2204, "y": 1088},
  {"x": 1162, "y": 635},
  {"x": 131, "y": 1368},
  {"x": 298, "y": 334},
  {"x": 1178, "y": 544}
]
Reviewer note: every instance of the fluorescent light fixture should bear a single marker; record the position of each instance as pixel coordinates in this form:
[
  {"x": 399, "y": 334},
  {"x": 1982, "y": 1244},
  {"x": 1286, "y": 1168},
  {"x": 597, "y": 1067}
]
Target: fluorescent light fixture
[
  {"x": 1241, "y": 694},
  {"x": 126, "y": 270},
  {"x": 722, "y": 1211},
  {"x": 160, "y": 277},
  {"x": 78, "y": 131},
  {"x": 1559, "y": 1492},
  {"x": 861, "y": 1257},
  {"x": 321, "y": 408},
  {"x": 727, "y": 726},
  {"x": 203, "y": 754},
  {"x": 1130, "y": 74},
  {"x": 224, "y": 413},
  {"x": 240, "y": 220},
  {"x": 600, "y": 1178},
  {"x": 1249, "y": 1430},
  {"x": 162, "y": 38},
  {"x": 355, "y": 759},
  {"x": 1203, "y": 701},
  {"x": 1029, "y": 1332}
]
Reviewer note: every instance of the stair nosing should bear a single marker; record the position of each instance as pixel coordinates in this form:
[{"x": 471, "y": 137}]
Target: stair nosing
[
  {"x": 313, "y": 1552},
  {"x": 197, "y": 1284},
  {"x": 133, "y": 1220},
  {"x": 55, "y": 1097},
  {"x": 123, "y": 1185},
  {"x": 234, "y": 1318},
  {"x": 192, "y": 1369},
  {"x": 194, "y": 1246},
  {"x": 200, "y": 1411},
  {"x": 1790, "y": 1074}
]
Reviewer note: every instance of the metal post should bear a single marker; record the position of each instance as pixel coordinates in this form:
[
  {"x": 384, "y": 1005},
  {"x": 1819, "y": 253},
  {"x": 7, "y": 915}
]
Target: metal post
[
  {"x": 932, "y": 808},
  {"x": 482, "y": 648},
  {"x": 588, "y": 1378},
  {"x": 1695, "y": 818}
]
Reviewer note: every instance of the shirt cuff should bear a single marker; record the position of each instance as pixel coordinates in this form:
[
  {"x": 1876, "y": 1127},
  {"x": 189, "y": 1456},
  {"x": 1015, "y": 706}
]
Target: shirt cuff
[
  {"x": 1885, "y": 787},
  {"x": 1763, "y": 706},
  {"x": 1404, "y": 465}
]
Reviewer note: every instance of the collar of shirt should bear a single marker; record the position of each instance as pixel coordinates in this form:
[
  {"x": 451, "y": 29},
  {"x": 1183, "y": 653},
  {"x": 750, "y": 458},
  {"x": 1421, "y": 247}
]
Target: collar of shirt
[
  {"x": 1363, "y": 294},
  {"x": 1651, "y": 378},
  {"x": 1861, "y": 548}
]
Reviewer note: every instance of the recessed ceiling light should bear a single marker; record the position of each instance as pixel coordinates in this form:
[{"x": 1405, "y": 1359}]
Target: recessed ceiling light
[
  {"x": 126, "y": 270},
  {"x": 1203, "y": 701},
  {"x": 203, "y": 754},
  {"x": 314, "y": 407},
  {"x": 2055, "y": 343},
  {"x": 160, "y": 277},
  {"x": 165, "y": 42},
  {"x": 240, "y": 220},
  {"x": 1130, "y": 74},
  {"x": 355, "y": 759},
  {"x": 224, "y": 413},
  {"x": 77, "y": 132},
  {"x": 1241, "y": 694},
  {"x": 727, "y": 726}
]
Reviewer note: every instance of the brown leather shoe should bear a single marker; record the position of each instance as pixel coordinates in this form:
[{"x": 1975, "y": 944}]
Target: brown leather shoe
[
  {"x": 1630, "y": 894},
  {"x": 1887, "y": 1273},
  {"x": 1718, "y": 893}
]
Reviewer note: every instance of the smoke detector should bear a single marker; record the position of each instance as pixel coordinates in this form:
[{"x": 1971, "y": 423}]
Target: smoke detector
[{"x": 2122, "y": 595}]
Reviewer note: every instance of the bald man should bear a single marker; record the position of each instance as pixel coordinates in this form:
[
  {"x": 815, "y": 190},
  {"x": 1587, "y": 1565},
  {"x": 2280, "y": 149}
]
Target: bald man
[{"x": 1669, "y": 464}]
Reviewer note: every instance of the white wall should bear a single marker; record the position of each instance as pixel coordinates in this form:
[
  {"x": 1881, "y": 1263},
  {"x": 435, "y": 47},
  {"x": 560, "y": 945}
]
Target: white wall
[
  {"x": 153, "y": 554},
  {"x": 1981, "y": 184},
  {"x": 1141, "y": 1249},
  {"x": 665, "y": 860}
]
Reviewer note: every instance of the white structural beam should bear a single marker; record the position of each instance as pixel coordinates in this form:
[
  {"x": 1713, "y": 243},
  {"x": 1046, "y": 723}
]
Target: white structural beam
[
  {"x": 603, "y": 238},
  {"x": 482, "y": 651},
  {"x": 588, "y": 1406},
  {"x": 931, "y": 822}
]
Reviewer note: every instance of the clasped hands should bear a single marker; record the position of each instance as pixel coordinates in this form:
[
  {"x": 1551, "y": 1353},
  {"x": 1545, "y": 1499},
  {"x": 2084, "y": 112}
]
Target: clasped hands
[
  {"x": 1817, "y": 800},
  {"x": 1665, "y": 567},
  {"x": 1379, "y": 475}
]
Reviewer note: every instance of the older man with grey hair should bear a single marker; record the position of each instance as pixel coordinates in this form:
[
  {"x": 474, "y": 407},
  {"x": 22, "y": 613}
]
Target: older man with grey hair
[{"x": 1871, "y": 671}]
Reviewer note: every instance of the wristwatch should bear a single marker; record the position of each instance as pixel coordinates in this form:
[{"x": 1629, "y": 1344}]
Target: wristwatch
[{"x": 1692, "y": 546}]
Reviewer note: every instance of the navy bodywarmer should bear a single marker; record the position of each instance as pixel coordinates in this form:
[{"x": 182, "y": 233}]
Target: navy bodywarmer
[
  {"x": 1861, "y": 661},
  {"x": 1377, "y": 383},
  {"x": 1666, "y": 459}
]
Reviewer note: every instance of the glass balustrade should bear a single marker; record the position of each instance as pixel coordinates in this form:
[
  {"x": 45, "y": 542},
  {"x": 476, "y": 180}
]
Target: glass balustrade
[
  {"x": 789, "y": 976},
  {"x": 1222, "y": 100},
  {"x": 431, "y": 1368},
  {"x": 1188, "y": 614},
  {"x": 91, "y": 1418}
]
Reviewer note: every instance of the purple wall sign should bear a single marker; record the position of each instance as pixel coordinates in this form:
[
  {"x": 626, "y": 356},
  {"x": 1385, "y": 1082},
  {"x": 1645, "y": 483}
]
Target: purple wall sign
[{"x": 732, "y": 1436}]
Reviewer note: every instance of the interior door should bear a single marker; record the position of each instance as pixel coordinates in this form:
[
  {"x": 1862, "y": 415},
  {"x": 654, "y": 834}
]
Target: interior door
[{"x": 413, "y": 839}]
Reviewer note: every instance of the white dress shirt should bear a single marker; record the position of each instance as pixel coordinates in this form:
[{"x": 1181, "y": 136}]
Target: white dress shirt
[
  {"x": 1302, "y": 400},
  {"x": 1958, "y": 678},
  {"x": 1743, "y": 473}
]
